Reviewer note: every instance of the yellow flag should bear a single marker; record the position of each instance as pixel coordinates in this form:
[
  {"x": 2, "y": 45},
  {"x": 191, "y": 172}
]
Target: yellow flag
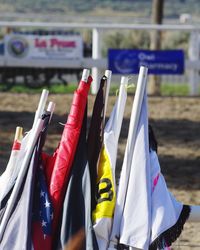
[{"x": 106, "y": 194}]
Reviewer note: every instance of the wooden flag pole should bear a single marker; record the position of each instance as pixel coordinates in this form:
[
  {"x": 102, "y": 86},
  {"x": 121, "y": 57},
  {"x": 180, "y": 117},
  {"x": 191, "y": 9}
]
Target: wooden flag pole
[
  {"x": 18, "y": 134},
  {"x": 11, "y": 202}
]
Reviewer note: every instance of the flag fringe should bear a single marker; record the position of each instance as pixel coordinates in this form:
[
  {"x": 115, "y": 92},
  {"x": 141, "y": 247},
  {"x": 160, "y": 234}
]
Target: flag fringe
[{"x": 170, "y": 235}]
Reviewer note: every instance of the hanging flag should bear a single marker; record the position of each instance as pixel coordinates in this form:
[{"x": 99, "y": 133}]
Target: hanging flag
[
  {"x": 17, "y": 233},
  {"x": 42, "y": 214},
  {"x": 168, "y": 215},
  {"x": 7, "y": 179},
  {"x": 76, "y": 213},
  {"x": 95, "y": 136},
  {"x": 132, "y": 227},
  {"x": 151, "y": 217},
  {"x": 20, "y": 145},
  {"x": 59, "y": 165},
  {"x": 106, "y": 186}
]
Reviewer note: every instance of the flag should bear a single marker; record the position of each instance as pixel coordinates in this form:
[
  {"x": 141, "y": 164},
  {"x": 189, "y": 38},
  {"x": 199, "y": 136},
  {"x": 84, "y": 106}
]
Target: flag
[
  {"x": 106, "y": 185},
  {"x": 147, "y": 216},
  {"x": 76, "y": 213},
  {"x": 59, "y": 165},
  {"x": 17, "y": 233},
  {"x": 42, "y": 211},
  {"x": 132, "y": 217},
  {"x": 42, "y": 214},
  {"x": 95, "y": 136},
  {"x": 168, "y": 215}
]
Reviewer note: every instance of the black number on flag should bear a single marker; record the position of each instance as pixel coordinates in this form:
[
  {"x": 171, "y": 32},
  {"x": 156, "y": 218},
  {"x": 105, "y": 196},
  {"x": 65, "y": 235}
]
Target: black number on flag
[{"x": 105, "y": 193}]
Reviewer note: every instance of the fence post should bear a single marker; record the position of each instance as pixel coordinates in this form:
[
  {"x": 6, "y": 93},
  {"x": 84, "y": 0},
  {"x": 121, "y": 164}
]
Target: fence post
[
  {"x": 194, "y": 55},
  {"x": 96, "y": 54}
]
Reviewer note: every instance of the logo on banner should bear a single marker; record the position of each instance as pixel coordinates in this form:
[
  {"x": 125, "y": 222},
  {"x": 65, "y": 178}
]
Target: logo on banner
[{"x": 18, "y": 46}]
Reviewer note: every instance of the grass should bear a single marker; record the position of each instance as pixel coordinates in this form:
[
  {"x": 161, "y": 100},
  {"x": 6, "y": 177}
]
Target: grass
[
  {"x": 53, "y": 89},
  {"x": 167, "y": 89}
]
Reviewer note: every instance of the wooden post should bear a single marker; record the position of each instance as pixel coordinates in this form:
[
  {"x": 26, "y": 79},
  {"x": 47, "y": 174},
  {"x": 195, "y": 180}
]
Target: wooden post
[{"x": 157, "y": 16}]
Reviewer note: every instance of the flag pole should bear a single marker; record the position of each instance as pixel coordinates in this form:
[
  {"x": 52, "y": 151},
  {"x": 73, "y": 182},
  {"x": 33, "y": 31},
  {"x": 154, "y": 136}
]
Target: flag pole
[
  {"x": 41, "y": 105},
  {"x": 122, "y": 89},
  {"x": 108, "y": 74},
  {"x": 126, "y": 167},
  {"x": 85, "y": 75},
  {"x": 31, "y": 143},
  {"x": 135, "y": 116},
  {"x": 51, "y": 108},
  {"x": 135, "y": 113},
  {"x": 18, "y": 134}
]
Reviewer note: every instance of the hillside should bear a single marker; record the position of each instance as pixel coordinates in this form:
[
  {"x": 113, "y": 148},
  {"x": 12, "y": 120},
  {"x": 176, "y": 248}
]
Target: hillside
[{"x": 95, "y": 8}]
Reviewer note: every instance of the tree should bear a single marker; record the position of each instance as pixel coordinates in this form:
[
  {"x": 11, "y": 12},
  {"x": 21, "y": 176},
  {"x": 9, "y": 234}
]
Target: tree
[{"x": 157, "y": 16}]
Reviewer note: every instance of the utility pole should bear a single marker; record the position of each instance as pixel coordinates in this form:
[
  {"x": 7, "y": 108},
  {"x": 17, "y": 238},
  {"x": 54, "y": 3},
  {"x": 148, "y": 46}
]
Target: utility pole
[{"x": 156, "y": 18}]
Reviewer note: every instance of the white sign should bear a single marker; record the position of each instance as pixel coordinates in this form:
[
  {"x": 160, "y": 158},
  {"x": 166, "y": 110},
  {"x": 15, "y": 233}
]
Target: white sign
[{"x": 48, "y": 47}]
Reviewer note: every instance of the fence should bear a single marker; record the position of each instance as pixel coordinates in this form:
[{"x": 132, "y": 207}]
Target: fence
[{"x": 98, "y": 63}]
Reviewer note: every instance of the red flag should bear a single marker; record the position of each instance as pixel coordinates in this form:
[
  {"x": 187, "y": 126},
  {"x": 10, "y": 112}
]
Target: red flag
[{"x": 59, "y": 165}]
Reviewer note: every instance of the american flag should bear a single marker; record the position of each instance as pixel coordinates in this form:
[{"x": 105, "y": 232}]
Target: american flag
[{"x": 42, "y": 215}]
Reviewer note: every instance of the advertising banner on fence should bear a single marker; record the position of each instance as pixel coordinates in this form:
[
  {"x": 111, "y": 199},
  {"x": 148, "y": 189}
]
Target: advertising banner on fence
[
  {"x": 23, "y": 47},
  {"x": 128, "y": 61}
]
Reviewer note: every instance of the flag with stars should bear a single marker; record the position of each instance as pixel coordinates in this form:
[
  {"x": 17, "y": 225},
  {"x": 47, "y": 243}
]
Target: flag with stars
[
  {"x": 42, "y": 214},
  {"x": 17, "y": 232}
]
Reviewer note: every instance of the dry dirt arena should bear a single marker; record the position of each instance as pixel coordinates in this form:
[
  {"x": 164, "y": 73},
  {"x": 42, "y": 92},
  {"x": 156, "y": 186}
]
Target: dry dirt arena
[{"x": 176, "y": 122}]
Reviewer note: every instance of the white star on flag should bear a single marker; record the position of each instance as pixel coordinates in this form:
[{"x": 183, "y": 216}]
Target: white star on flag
[
  {"x": 44, "y": 223},
  {"x": 47, "y": 204},
  {"x": 42, "y": 193}
]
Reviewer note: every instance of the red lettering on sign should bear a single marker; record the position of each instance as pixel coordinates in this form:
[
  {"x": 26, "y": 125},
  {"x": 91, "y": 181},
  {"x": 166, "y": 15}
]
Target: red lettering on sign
[
  {"x": 40, "y": 43},
  {"x": 54, "y": 42}
]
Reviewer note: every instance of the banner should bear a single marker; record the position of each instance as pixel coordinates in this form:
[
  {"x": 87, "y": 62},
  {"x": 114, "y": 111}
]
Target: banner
[
  {"x": 22, "y": 47},
  {"x": 128, "y": 61}
]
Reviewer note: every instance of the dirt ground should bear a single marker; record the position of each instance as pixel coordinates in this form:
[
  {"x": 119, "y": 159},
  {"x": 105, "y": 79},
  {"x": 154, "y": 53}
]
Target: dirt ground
[{"x": 176, "y": 122}]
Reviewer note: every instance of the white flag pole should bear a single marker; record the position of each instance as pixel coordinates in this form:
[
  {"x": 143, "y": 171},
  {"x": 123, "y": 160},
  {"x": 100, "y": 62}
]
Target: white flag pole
[
  {"x": 122, "y": 89},
  {"x": 135, "y": 114},
  {"x": 85, "y": 75},
  {"x": 126, "y": 168},
  {"x": 108, "y": 74},
  {"x": 41, "y": 105},
  {"x": 51, "y": 108},
  {"x": 31, "y": 143}
]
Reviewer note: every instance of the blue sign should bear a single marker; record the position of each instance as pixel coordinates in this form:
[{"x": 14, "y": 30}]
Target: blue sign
[{"x": 128, "y": 61}]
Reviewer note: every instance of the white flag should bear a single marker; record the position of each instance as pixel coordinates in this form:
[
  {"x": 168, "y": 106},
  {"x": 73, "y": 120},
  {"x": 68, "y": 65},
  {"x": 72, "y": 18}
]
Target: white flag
[
  {"x": 136, "y": 219},
  {"x": 147, "y": 216},
  {"x": 168, "y": 215},
  {"x": 106, "y": 186}
]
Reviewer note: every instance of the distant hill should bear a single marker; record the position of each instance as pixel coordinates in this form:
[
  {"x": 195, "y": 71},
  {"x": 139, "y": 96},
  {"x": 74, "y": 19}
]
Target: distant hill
[{"x": 134, "y": 8}]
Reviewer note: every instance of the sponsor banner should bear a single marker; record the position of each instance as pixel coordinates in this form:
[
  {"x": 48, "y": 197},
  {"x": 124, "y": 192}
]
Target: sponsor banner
[
  {"x": 128, "y": 61},
  {"x": 47, "y": 47}
]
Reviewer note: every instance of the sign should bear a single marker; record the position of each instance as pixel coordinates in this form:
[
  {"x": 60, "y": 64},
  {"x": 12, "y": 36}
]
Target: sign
[
  {"x": 46, "y": 47},
  {"x": 127, "y": 61}
]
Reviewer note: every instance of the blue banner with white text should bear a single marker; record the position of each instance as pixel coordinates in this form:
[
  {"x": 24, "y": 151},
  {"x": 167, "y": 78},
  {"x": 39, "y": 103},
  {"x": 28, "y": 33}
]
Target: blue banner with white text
[{"x": 128, "y": 61}]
